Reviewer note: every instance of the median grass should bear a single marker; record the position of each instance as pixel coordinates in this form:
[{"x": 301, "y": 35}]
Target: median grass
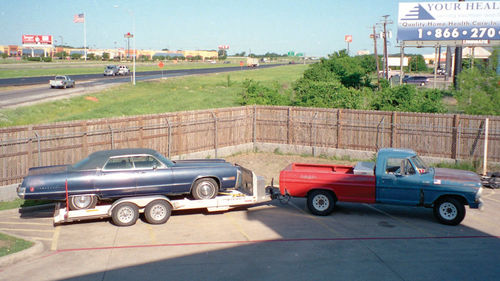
[
  {"x": 33, "y": 69},
  {"x": 10, "y": 245},
  {"x": 168, "y": 95}
]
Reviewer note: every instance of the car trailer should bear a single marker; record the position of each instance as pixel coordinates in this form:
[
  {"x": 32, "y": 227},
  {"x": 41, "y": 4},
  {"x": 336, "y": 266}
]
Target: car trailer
[{"x": 157, "y": 208}]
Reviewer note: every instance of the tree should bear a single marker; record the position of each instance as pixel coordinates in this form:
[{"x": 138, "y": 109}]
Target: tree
[
  {"x": 4, "y": 55},
  {"x": 242, "y": 54},
  {"x": 76, "y": 56},
  {"x": 479, "y": 92},
  {"x": 417, "y": 63},
  {"x": 105, "y": 56},
  {"x": 222, "y": 54}
]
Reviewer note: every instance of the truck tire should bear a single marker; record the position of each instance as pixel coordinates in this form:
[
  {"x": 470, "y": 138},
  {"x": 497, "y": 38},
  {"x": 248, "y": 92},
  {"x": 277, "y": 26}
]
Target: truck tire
[
  {"x": 158, "y": 212},
  {"x": 449, "y": 211},
  {"x": 125, "y": 214},
  {"x": 82, "y": 202},
  {"x": 320, "y": 202},
  {"x": 205, "y": 188}
]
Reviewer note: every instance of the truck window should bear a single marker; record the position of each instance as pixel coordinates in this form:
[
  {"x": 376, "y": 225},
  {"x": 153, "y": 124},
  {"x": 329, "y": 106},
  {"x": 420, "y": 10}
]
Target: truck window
[
  {"x": 419, "y": 164},
  {"x": 409, "y": 170},
  {"x": 393, "y": 165}
]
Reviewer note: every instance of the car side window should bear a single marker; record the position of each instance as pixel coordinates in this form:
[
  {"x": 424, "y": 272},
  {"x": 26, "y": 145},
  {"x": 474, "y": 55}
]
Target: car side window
[
  {"x": 119, "y": 163},
  {"x": 145, "y": 162}
]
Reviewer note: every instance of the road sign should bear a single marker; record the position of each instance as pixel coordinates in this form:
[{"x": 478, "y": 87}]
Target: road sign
[
  {"x": 160, "y": 64},
  {"x": 128, "y": 35},
  {"x": 348, "y": 38},
  {"x": 438, "y": 21},
  {"x": 291, "y": 53}
]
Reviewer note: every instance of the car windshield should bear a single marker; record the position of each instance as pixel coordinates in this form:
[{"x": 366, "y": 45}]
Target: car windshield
[
  {"x": 60, "y": 77},
  {"x": 110, "y": 67},
  {"x": 419, "y": 164}
]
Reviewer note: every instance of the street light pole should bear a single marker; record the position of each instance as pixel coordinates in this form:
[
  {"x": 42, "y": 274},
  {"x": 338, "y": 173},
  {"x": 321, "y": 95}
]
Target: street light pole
[{"x": 133, "y": 34}]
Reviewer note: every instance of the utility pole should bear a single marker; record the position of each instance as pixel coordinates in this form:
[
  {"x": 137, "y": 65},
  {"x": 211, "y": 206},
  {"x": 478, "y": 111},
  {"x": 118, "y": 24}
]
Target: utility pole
[
  {"x": 386, "y": 56},
  {"x": 374, "y": 34},
  {"x": 458, "y": 62}
]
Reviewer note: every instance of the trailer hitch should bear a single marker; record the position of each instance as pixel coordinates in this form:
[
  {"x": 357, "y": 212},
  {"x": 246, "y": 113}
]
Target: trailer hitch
[{"x": 276, "y": 194}]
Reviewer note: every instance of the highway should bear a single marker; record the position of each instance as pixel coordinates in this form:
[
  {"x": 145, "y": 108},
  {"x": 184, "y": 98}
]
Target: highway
[{"x": 29, "y": 90}]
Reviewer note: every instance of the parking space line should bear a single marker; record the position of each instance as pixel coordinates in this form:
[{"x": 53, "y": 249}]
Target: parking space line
[
  {"x": 398, "y": 219},
  {"x": 55, "y": 238},
  {"x": 25, "y": 229},
  {"x": 25, "y": 223},
  {"x": 238, "y": 226},
  {"x": 152, "y": 234},
  {"x": 317, "y": 220}
]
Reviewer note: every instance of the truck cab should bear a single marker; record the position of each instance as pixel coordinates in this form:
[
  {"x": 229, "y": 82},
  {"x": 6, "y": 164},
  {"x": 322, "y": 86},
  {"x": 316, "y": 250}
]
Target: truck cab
[{"x": 398, "y": 177}]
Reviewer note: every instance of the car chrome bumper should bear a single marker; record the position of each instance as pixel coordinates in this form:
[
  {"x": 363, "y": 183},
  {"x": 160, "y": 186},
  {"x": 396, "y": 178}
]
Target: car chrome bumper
[{"x": 21, "y": 191}]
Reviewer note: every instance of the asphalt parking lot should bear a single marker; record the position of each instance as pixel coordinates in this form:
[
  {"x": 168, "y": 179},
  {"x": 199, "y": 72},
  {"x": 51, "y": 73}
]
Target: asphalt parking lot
[{"x": 270, "y": 241}]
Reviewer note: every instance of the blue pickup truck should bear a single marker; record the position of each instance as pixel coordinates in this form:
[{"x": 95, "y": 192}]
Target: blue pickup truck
[{"x": 399, "y": 177}]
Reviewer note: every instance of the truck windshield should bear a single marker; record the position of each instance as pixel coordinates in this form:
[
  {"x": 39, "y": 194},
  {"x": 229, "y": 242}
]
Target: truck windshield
[{"x": 419, "y": 164}]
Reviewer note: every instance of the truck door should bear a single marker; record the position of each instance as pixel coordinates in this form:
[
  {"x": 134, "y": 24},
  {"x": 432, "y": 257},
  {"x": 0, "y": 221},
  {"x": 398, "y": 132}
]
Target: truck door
[{"x": 399, "y": 184}]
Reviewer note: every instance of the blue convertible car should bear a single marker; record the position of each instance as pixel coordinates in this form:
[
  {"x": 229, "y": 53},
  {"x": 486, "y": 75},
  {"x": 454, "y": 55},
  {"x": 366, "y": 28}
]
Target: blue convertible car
[{"x": 114, "y": 174}]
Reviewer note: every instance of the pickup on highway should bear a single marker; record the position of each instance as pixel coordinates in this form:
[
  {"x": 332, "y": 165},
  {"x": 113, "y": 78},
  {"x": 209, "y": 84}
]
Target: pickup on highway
[
  {"x": 62, "y": 81},
  {"x": 399, "y": 177}
]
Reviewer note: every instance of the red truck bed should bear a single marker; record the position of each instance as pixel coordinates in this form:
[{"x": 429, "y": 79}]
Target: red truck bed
[{"x": 298, "y": 179}]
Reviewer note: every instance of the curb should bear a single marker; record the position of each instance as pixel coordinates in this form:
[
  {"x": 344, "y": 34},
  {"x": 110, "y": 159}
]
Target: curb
[{"x": 37, "y": 248}]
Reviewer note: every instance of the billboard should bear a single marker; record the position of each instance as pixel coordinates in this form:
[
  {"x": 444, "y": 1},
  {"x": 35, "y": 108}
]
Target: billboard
[
  {"x": 37, "y": 40},
  {"x": 437, "y": 21}
]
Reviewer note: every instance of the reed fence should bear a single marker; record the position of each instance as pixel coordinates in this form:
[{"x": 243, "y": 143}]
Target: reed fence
[{"x": 454, "y": 136}]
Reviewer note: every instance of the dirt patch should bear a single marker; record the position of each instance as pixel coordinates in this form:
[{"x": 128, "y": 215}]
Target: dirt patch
[{"x": 269, "y": 165}]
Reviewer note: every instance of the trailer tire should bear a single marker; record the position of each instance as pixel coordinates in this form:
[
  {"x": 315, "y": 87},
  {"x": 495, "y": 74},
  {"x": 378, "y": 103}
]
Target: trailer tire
[
  {"x": 158, "y": 212},
  {"x": 205, "y": 188},
  {"x": 449, "y": 211},
  {"x": 82, "y": 202},
  {"x": 320, "y": 202},
  {"x": 125, "y": 214}
]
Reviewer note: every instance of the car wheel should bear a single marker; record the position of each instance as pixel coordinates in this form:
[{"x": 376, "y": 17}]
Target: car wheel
[
  {"x": 158, "y": 212},
  {"x": 82, "y": 202},
  {"x": 205, "y": 188},
  {"x": 449, "y": 211},
  {"x": 320, "y": 202},
  {"x": 125, "y": 214}
]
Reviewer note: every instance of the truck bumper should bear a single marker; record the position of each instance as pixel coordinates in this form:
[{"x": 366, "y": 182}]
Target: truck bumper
[{"x": 477, "y": 205}]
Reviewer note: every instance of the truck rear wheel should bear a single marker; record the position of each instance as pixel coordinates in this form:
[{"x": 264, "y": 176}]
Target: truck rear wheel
[
  {"x": 157, "y": 212},
  {"x": 449, "y": 211},
  {"x": 125, "y": 214},
  {"x": 320, "y": 202}
]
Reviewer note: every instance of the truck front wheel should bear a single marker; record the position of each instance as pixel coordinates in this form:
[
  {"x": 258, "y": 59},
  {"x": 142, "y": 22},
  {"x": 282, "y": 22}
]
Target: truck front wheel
[
  {"x": 320, "y": 202},
  {"x": 449, "y": 211}
]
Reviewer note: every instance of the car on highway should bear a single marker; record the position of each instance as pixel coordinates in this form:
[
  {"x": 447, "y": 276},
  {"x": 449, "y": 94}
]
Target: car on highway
[
  {"x": 109, "y": 175},
  {"x": 62, "y": 81},
  {"x": 418, "y": 80},
  {"x": 111, "y": 70},
  {"x": 123, "y": 70}
]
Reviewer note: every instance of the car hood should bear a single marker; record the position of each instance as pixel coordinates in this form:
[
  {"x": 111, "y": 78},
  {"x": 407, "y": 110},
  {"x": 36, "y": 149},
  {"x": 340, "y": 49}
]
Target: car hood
[
  {"x": 456, "y": 176},
  {"x": 201, "y": 162}
]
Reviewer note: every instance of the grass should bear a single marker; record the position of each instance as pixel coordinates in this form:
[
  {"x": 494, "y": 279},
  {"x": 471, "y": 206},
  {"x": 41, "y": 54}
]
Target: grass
[
  {"x": 74, "y": 68},
  {"x": 170, "y": 95},
  {"x": 10, "y": 245}
]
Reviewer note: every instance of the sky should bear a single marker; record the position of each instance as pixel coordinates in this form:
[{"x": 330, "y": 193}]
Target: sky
[{"x": 313, "y": 27}]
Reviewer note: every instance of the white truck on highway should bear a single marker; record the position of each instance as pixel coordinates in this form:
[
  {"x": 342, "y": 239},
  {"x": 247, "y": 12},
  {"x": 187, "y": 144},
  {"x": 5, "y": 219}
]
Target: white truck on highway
[
  {"x": 252, "y": 62},
  {"x": 62, "y": 81}
]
